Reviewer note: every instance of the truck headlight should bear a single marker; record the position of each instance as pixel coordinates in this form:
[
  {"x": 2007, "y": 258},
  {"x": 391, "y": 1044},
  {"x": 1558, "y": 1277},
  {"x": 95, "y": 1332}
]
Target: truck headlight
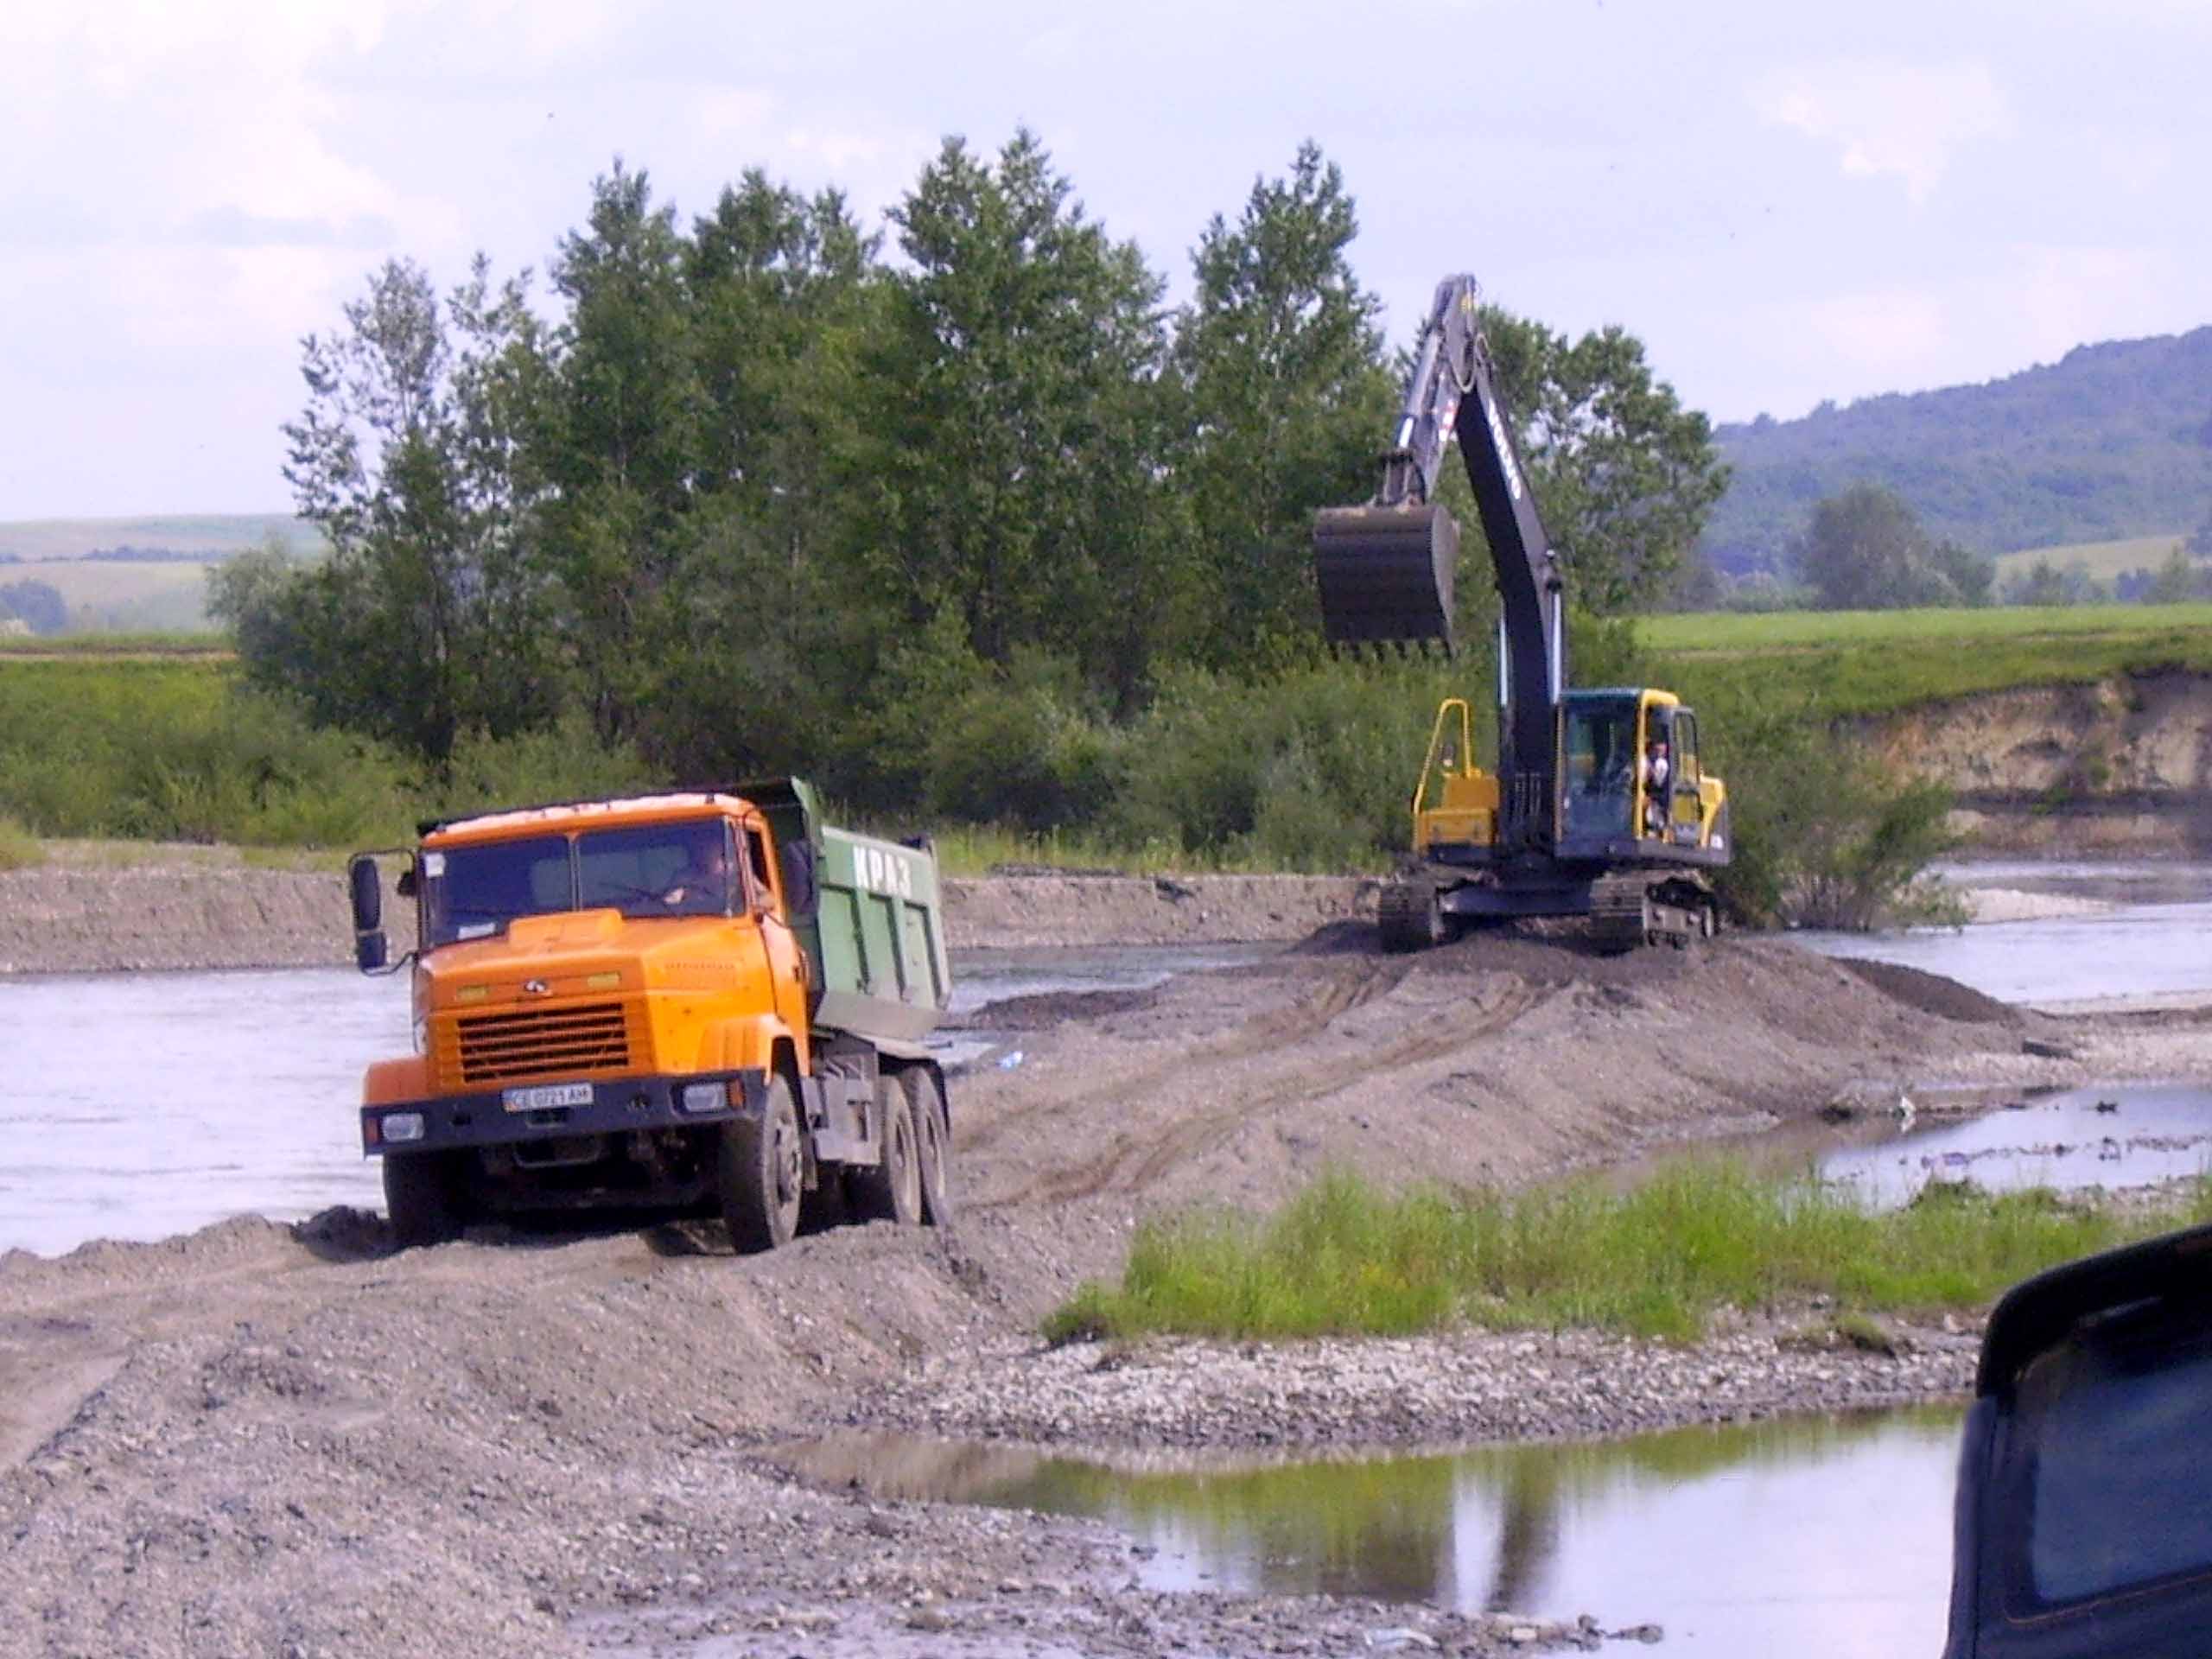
[
  {"x": 702, "y": 1097},
  {"x": 400, "y": 1125}
]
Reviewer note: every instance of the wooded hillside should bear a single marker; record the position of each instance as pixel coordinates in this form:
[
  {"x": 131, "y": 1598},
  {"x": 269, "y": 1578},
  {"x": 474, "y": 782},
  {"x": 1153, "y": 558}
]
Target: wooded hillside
[{"x": 2112, "y": 441}]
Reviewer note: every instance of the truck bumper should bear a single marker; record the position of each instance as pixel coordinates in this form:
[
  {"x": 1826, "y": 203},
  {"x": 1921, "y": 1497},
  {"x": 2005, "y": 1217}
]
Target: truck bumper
[{"x": 544, "y": 1111}]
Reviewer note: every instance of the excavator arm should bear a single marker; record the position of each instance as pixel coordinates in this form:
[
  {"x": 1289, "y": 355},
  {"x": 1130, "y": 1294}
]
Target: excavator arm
[{"x": 1386, "y": 569}]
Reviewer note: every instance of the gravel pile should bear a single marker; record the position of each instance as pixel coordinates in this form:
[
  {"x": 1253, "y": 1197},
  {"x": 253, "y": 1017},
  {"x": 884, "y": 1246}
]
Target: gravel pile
[{"x": 1459, "y": 1388}]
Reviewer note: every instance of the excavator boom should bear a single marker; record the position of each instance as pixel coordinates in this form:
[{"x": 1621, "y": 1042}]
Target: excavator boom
[{"x": 1385, "y": 569}]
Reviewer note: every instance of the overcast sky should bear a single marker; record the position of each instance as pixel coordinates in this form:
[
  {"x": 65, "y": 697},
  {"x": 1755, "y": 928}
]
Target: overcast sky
[{"x": 1787, "y": 203}]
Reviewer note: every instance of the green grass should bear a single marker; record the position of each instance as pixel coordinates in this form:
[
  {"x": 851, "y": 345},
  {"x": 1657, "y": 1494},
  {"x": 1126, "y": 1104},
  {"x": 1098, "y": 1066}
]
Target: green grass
[
  {"x": 2102, "y": 560},
  {"x": 984, "y": 850},
  {"x": 1343, "y": 1258},
  {"x": 19, "y": 849},
  {"x": 196, "y": 644},
  {"x": 1730, "y": 633},
  {"x": 1864, "y": 663}
]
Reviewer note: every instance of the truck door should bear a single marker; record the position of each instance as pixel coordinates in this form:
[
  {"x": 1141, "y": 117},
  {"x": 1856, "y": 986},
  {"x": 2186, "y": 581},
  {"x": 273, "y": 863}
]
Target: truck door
[{"x": 786, "y": 961}]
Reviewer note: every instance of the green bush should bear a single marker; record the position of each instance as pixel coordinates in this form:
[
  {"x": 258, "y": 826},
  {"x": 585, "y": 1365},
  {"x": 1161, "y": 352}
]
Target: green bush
[
  {"x": 1021, "y": 750},
  {"x": 19, "y": 849}
]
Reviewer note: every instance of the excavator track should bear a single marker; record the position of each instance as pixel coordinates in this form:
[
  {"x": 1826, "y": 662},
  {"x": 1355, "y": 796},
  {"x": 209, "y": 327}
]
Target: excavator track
[
  {"x": 1635, "y": 908},
  {"x": 1408, "y": 915},
  {"x": 1620, "y": 911}
]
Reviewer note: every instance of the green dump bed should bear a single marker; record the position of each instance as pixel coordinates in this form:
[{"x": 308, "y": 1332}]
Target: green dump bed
[{"x": 874, "y": 930}]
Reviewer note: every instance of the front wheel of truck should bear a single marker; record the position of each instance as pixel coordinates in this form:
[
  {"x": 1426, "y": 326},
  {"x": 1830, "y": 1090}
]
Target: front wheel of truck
[
  {"x": 760, "y": 1172},
  {"x": 423, "y": 1197}
]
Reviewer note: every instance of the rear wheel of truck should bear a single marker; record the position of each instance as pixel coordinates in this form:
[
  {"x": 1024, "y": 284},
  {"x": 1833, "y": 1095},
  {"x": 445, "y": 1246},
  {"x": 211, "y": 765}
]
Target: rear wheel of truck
[
  {"x": 892, "y": 1191},
  {"x": 759, "y": 1170},
  {"x": 932, "y": 1141},
  {"x": 422, "y": 1196}
]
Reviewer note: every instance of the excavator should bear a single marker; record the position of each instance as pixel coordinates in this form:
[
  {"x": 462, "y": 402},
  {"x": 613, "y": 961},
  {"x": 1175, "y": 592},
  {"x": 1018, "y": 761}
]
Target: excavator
[{"x": 1599, "y": 805}]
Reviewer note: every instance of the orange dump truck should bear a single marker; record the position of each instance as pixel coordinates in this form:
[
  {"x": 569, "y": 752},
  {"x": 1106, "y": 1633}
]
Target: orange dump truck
[{"x": 707, "y": 1003}]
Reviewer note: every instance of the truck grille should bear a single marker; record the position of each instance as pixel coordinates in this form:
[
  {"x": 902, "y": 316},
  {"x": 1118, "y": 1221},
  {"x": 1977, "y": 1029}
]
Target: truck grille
[{"x": 539, "y": 1042}]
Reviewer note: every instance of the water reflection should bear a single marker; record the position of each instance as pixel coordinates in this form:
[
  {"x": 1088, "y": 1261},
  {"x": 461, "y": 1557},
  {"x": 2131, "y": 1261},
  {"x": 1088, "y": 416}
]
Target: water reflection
[
  {"x": 2068, "y": 1139},
  {"x": 1817, "y": 1535}
]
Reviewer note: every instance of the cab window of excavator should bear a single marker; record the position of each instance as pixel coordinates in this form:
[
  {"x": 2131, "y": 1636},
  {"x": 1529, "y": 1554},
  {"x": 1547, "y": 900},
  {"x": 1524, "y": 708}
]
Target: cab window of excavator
[
  {"x": 1686, "y": 772},
  {"x": 1600, "y": 768}
]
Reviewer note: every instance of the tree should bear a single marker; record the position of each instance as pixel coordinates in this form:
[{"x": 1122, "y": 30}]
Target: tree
[
  {"x": 2200, "y": 544},
  {"x": 1972, "y": 576},
  {"x": 425, "y": 620},
  {"x": 37, "y": 604},
  {"x": 1865, "y": 550},
  {"x": 618, "y": 438},
  {"x": 2180, "y": 578},
  {"x": 1623, "y": 474},
  {"x": 1278, "y": 358},
  {"x": 1014, "y": 466}
]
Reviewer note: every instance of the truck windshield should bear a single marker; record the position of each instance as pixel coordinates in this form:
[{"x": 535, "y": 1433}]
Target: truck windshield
[
  {"x": 660, "y": 869},
  {"x": 1600, "y": 767}
]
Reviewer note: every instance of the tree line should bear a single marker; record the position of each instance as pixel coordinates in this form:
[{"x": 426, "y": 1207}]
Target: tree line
[{"x": 935, "y": 522}]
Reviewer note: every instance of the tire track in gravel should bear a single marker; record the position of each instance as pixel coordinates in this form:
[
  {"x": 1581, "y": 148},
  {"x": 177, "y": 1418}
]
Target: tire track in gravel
[
  {"x": 1343, "y": 992},
  {"x": 1142, "y": 1155}
]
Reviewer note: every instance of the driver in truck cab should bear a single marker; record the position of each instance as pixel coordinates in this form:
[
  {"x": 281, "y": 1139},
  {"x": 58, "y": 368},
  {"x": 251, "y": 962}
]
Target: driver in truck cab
[{"x": 702, "y": 886}]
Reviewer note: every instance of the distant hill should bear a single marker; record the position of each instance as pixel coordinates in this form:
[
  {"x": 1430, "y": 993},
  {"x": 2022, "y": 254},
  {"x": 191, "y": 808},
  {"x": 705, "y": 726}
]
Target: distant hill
[
  {"x": 132, "y": 574},
  {"x": 209, "y": 537},
  {"x": 2111, "y": 442}
]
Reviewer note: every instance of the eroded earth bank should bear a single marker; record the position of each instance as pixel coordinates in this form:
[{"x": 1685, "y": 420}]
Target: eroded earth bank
[{"x": 265, "y": 1439}]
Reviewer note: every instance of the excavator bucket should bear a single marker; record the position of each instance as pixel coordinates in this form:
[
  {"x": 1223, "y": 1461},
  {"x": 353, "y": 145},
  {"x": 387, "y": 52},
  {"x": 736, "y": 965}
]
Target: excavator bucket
[{"x": 1385, "y": 575}]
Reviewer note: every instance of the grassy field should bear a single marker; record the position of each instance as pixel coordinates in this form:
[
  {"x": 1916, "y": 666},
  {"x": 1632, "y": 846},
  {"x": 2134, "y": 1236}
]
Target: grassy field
[
  {"x": 216, "y": 535},
  {"x": 1860, "y": 663},
  {"x": 1344, "y": 1258},
  {"x": 194, "y": 645},
  {"x": 2102, "y": 560},
  {"x": 168, "y": 596}
]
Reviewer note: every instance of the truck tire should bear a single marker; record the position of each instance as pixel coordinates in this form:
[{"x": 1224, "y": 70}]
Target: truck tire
[
  {"x": 892, "y": 1191},
  {"x": 422, "y": 1196},
  {"x": 932, "y": 1141},
  {"x": 759, "y": 1170}
]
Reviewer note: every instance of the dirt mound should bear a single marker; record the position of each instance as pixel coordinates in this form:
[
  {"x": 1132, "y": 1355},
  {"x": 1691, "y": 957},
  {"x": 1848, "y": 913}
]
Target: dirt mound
[
  {"x": 1045, "y": 1008},
  {"x": 1933, "y": 993}
]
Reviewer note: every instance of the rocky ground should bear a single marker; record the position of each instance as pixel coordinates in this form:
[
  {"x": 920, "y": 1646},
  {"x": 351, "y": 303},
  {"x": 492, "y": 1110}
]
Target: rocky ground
[{"x": 264, "y": 1439}]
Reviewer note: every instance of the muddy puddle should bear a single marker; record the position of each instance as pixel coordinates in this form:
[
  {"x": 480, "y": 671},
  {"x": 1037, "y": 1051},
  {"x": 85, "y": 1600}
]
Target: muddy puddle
[{"x": 1810, "y": 1536}]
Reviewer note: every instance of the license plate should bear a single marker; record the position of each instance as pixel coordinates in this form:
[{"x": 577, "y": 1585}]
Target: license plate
[{"x": 537, "y": 1097}]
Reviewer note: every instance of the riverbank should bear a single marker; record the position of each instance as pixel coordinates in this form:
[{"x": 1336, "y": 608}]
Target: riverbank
[
  {"x": 266, "y": 1439},
  {"x": 106, "y": 907}
]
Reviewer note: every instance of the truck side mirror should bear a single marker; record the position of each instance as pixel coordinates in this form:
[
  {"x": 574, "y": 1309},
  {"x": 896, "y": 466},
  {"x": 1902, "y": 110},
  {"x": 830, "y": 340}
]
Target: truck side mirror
[{"x": 369, "y": 950}]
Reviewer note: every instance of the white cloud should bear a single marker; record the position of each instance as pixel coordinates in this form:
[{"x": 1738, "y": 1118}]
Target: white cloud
[
  {"x": 1888, "y": 338},
  {"x": 2066, "y": 295},
  {"x": 1908, "y": 120}
]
